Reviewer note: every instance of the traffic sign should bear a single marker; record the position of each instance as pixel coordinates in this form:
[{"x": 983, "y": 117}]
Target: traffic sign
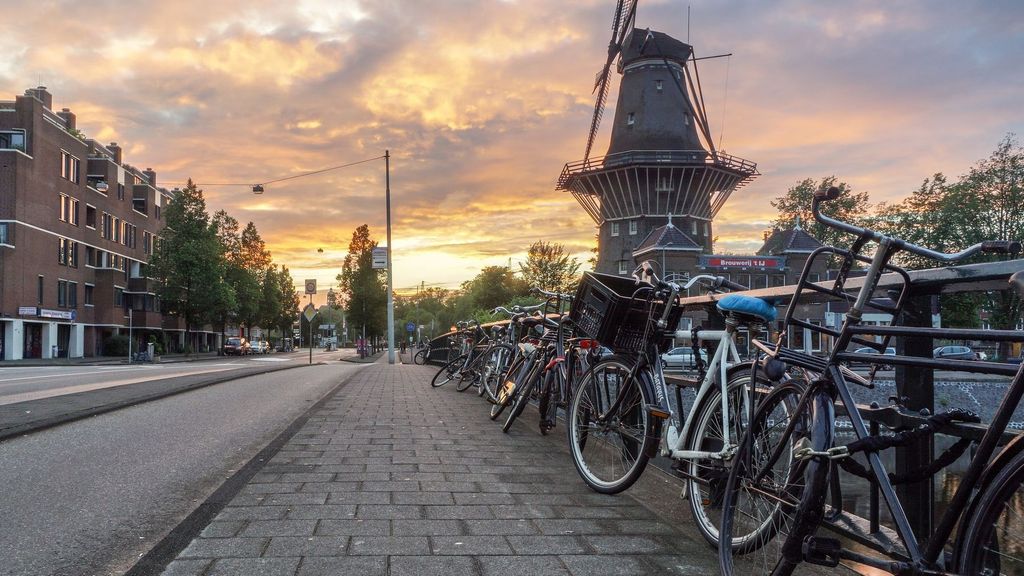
[
  {"x": 311, "y": 286},
  {"x": 410, "y": 327},
  {"x": 309, "y": 311},
  {"x": 380, "y": 258}
]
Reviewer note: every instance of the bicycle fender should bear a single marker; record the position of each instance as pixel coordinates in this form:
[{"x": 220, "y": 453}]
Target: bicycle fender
[{"x": 655, "y": 398}]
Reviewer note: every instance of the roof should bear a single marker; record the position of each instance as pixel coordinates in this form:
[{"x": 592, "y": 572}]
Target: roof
[
  {"x": 669, "y": 238},
  {"x": 795, "y": 241},
  {"x": 640, "y": 44}
]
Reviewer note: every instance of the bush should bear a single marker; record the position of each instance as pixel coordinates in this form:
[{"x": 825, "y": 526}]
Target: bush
[{"x": 116, "y": 345}]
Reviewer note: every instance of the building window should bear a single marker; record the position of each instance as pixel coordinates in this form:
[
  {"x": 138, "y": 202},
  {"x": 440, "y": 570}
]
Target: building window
[
  {"x": 147, "y": 242},
  {"x": 119, "y": 296},
  {"x": 632, "y": 227},
  {"x": 157, "y": 212},
  {"x": 705, "y": 229},
  {"x": 72, "y": 294},
  {"x": 62, "y": 293},
  {"x": 5, "y": 234},
  {"x": 12, "y": 140},
  {"x": 39, "y": 291},
  {"x": 615, "y": 229},
  {"x": 630, "y": 119},
  {"x": 87, "y": 297},
  {"x": 120, "y": 191},
  {"x": 69, "y": 166},
  {"x": 68, "y": 209},
  {"x": 90, "y": 216},
  {"x": 693, "y": 227},
  {"x": 67, "y": 252},
  {"x": 622, "y": 267}
]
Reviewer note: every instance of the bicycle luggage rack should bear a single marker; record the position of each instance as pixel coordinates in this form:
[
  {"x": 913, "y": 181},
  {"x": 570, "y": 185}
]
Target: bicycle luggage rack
[{"x": 616, "y": 312}]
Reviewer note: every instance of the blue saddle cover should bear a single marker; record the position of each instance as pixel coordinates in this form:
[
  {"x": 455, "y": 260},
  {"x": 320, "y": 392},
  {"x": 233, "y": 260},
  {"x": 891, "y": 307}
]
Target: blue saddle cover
[{"x": 748, "y": 305}]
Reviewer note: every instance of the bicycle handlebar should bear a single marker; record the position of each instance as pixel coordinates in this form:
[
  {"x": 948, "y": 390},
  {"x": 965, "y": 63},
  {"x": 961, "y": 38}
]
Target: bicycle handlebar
[
  {"x": 714, "y": 282},
  {"x": 993, "y": 246},
  {"x": 542, "y": 292}
]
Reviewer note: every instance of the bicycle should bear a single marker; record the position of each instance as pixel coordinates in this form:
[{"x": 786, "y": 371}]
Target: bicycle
[
  {"x": 462, "y": 341},
  {"x": 782, "y": 510},
  {"x": 618, "y": 413}
]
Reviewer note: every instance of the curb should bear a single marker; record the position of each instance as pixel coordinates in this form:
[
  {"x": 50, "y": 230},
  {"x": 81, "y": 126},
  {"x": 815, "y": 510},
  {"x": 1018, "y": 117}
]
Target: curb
[
  {"x": 17, "y": 410},
  {"x": 156, "y": 560}
]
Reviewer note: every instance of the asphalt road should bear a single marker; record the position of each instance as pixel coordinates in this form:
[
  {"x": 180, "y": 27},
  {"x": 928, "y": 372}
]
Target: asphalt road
[
  {"x": 23, "y": 383},
  {"x": 91, "y": 496}
]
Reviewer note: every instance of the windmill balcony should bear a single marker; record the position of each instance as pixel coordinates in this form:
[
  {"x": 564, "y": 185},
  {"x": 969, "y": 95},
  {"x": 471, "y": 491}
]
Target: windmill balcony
[{"x": 655, "y": 157}]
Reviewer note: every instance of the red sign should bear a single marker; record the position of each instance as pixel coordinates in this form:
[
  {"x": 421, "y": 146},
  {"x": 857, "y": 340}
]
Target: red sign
[{"x": 743, "y": 262}]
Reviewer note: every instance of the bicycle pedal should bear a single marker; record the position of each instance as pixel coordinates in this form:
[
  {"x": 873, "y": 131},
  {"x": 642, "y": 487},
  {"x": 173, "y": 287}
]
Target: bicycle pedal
[{"x": 821, "y": 551}]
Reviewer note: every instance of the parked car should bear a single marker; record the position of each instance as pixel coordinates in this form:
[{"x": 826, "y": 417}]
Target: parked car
[
  {"x": 259, "y": 347},
  {"x": 236, "y": 346},
  {"x": 681, "y": 358},
  {"x": 889, "y": 351},
  {"x": 954, "y": 353}
]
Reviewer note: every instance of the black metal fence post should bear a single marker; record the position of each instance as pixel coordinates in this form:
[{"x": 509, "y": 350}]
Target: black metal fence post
[{"x": 916, "y": 388}]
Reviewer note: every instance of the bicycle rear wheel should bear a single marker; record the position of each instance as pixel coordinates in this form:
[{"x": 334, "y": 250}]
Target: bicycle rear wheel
[
  {"x": 470, "y": 374},
  {"x": 448, "y": 372},
  {"x": 771, "y": 503},
  {"x": 612, "y": 453},
  {"x": 506, "y": 387},
  {"x": 421, "y": 356},
  {"x": 992, "y": 540},
  {"x": 522, "y": 395},
  {"x": 498, "y": 360}
]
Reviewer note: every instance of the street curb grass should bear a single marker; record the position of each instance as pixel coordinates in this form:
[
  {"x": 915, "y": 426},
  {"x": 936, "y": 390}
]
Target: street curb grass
[
  {"x": 17, "y": 410},
  {"x": 165, "y": 551}
]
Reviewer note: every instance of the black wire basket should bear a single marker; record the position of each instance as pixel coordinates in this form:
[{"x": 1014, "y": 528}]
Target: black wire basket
[{"x": 619, "y": 313}]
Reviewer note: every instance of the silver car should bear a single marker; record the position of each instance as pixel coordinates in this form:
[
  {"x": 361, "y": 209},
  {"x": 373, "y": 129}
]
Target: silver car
[{"x": 681, "y": 358}]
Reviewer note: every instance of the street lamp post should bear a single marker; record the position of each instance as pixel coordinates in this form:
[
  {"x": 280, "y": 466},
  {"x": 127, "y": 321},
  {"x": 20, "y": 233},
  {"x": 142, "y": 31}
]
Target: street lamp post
[{"x": 391, "y": 302}]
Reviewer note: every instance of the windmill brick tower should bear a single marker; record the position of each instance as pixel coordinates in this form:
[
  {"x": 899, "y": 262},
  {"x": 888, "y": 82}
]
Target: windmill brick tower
[{"x": 661, "y": 183}]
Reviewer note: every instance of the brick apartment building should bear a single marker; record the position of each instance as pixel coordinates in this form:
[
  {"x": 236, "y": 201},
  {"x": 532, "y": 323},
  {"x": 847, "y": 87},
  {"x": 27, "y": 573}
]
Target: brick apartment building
[{"x": 77, "y": 227}]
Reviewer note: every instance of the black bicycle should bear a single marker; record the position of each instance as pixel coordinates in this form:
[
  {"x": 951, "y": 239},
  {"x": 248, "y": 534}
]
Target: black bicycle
[{"x": 781, "y": 508}]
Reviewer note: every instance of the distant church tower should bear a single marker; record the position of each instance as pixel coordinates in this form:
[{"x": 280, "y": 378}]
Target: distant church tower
[{"x": 655, "y": 194}]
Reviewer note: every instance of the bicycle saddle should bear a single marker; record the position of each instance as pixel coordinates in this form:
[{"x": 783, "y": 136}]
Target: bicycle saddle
[
  {"x": 754, "y": 308},
  {"x": 1017, "y": 282}
]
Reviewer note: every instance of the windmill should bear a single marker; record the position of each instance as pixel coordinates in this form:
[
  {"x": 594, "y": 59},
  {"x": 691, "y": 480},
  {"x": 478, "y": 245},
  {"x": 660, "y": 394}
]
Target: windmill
[{"x": 662, "y": 179}]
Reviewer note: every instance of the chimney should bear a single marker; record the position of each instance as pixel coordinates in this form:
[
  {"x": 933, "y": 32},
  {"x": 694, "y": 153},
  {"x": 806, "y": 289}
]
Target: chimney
[
  {"x": 42, "y": 95},
  {"x": 765, "y": 235},
  {"x": 116, "y": 151},
  {"x": 69, "y": 118},
  {"x": 151, "y": 176}
]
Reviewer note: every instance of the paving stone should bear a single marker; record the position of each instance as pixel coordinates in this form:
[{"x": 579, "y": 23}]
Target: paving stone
[
  {"x": 388, "y": 511},
  {"x": 390, "y": 486},
  {"x": 344, "y": 565},
  {"x": 458, "y": 512},
  {"x": 626, "y": 544},
  {"x": 223, "y": 529},
  {"x": 187, "y": 568},
  {"x": 224, "y": 547},
  {"x": 427, "y": 528},
  {"x": 359, "y": 498},
  {"x": 684, "y": 565},
  {"x": 252, "y": 513},
  {"x": 432, "y": 566},
  {"x": 307, "y": 546},
  {"x": 290, "y": 499},
  {"x": 469, "y": 545},
  {"x": 254, "y": 567},
  {"x": 271, "y": 487},
  {"x": 446, "y": 486},
  {"x": 547, "y": 545},
  {"x": 516, "y": 511},
  {"x": 321, "y": 512},
  {"x": 648, "y": 526},
  {"x": 428, "y": 498},
  {"x": 522, "y": 565},
  {"x": 570, "y": 526},
  {"x": 354, "y": 527},
  {"x": 476, "y": 498},
  {"x": 606, "y": 566},
  {"x": 487, "y": 527},
  {"x": 389, "y": 545}
]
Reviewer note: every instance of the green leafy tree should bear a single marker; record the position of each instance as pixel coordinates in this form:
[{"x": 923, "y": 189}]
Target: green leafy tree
[
  {"x": 189, "y": 261},
  {"x": 363, "y": 287},
  {"x": 550, "y": 267},
  {"x": 796, "y": 203},
  {"x": 289, "y": 311},
  {"x": 493, "y": 286}
]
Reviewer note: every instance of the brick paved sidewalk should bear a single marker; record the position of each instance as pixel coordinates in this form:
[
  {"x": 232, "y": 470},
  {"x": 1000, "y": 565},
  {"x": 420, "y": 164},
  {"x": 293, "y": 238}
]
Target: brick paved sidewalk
[{"x": 393, "y": 477}]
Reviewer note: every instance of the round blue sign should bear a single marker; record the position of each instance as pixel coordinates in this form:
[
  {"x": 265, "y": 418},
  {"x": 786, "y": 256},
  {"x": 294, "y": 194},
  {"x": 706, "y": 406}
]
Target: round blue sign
[
  {"x": 74, "y": 315},
  {"x": 410, "y": 326}
]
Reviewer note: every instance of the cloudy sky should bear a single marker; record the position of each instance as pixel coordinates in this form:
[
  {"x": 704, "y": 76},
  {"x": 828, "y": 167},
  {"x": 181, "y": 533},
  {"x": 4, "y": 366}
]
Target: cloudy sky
[{"x": 481, "y": 102}]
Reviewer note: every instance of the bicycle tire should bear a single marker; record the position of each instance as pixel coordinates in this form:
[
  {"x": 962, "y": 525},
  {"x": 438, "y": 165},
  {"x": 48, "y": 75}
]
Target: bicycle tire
[
  {"x": 522, "y": 397},
  {"x": 499, "y": 358},
  {"x": 991, "y": 540},
  {"x": 705, "y": 483},
  {"x": 774, "y": 544},
  {"x": 548, "y": 409},
  {"x": 468, "y": 375},
  {"x": 447, "y": 373},
  {"x": 506, "y": 387},
  {"x": 421, "y": 356},
  {"x": 625, "y": 442}
]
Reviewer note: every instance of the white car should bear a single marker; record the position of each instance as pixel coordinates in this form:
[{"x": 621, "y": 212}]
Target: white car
[{"x": 681, "y": 358}]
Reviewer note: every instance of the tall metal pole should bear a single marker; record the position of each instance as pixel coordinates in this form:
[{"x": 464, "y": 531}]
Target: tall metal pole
[
  {"x": 310, "y": 322},
  {"x": 391, "y": 303}
]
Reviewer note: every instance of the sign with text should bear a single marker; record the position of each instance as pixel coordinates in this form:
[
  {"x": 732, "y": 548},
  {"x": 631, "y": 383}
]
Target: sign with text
[
  {"x": 380, "y": 258},
  {"x": 743, "y": 262},
  {"x": 311, "y": 286},
  {"x": 28, "y": 311},
  {"x": 56, "y": 314}
]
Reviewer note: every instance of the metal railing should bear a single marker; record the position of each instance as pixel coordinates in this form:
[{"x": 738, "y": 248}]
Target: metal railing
[{"x": 655, "y": 157}]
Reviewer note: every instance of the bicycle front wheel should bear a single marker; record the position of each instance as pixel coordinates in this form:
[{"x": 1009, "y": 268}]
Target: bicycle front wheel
[
  {"x": 498, "y": 360},
  {"x": 522, "y": 395},
  {"x": 610, "y": 449},
  {"x": 470, "y": 374},
  {"x": 448, "y": 372},
  {"x": 772, "y": 501},
  {"x": 992, "y": 541},
  {"x": 506, "y": 387},
  {"x": 421, "y": 356}
]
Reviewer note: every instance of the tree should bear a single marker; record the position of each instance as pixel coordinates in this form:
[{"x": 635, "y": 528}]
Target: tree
[
  {"x": 493, "y": 286},
  {"x": 363, "y": 287},
  {"x": 550, "y": 268},
  {"x": 796, "y": 203},
  {"x": 289, "y": 310},
  {"x": 189, "y": 261}
]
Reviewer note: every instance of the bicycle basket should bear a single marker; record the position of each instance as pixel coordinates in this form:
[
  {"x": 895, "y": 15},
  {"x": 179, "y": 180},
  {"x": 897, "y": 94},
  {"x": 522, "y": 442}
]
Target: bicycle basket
[{"x": 605, "y": 310}]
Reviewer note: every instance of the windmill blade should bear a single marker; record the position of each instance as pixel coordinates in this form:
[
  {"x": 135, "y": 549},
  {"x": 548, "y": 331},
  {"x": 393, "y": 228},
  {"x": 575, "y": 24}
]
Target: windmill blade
[{"x": 622, "y": 22}]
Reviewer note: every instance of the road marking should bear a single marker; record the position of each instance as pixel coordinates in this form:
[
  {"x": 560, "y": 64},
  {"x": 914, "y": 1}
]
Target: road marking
[{"x": 271, "y": 359}]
